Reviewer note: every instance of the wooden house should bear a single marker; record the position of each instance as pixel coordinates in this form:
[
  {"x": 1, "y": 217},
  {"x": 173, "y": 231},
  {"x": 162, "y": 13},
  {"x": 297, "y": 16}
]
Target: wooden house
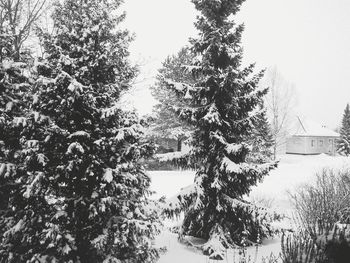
[{"x": 311, "y": 138}]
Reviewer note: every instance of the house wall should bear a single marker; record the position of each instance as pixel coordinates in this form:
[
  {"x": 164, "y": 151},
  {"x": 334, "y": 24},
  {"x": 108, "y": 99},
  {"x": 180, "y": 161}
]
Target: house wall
[
  {"x": 315, "y": 145},
  {"x": 296, "y": 145},
  {"x": 311, "y": 145}
]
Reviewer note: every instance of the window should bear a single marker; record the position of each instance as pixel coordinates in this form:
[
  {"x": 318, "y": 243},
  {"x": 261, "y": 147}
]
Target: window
[
  {"x": 320, "y": 143},
  {"x": 330, "y": 141},
  {"x": 312, "y": 143}
]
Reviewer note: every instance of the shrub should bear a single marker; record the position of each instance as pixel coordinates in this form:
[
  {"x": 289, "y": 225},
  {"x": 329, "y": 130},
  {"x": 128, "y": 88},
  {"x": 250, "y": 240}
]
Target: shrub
[
  {"x": 321, "y": 205},
  {"x": 337, "y": 249},
  {"x": 302, "y": 247},
  {"x": 323, "y": 214}
]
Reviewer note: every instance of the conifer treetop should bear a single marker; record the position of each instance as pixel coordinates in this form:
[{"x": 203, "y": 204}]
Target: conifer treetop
[
  {"x": 343, "y": 143},
  {"x": 223, "y": 106},
  {"x": 82, "y": 193}
]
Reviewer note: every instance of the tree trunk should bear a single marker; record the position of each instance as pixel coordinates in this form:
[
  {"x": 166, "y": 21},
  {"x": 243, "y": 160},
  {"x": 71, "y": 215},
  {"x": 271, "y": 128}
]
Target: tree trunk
[
  {"x": 17, "y": 50},
  {"x": 179, "y": 145}
]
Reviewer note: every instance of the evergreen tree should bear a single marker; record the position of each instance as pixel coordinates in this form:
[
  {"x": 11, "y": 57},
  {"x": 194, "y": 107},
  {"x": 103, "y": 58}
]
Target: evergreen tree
[
  {"x": 166, "y": 123},
  {"x": 343, "y": 144},
  {"x": 82, "y": 192},
  {"x": 15, "y": 85},
  {"x": 261, "y": 139},
  {"x": 14, "y": 100},
  {"x": 222, "y": 106}
]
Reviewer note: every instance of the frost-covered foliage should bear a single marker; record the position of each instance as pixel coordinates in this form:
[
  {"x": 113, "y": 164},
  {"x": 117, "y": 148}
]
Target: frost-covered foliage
[
  {"x": 14, "y": 100},
  {"x": 261, "y": 139},
  {"x": 222, "y": 105},
  {"x": 166, "y": 123},
  {"x": 343, "y": 144},
  {"x": 77, "y": 190},
  {"x": 331, "y": 247},
  {"x": 323, "y": 215},
  {"x": 321, "y": 205}
]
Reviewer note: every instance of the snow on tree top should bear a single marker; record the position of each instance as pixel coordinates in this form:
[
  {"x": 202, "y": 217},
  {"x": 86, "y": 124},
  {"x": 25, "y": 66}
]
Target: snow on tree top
[
  {"x": 17, "y": 121},
  {"x": 110, "y": 111},
  {"x": 66, "y": 249},
  {"x": 179, "y": 86},
  {"x": 79, "y": 134},
  {"x": 234, "y": 147},
  {"x": 42, "y": 159},
  {"x": 7, "y": 64},
  {"x": 60, "y": 213},
  {"x": 191, "y": 68},
  {"x": 16, "y": 228},
  {"x": 30, "y": 189},
  {"x": 175, "y": 203},
  {"x": 6, "y": 169},
  {"x": 45, "y": 81},
  {"x": 75, "y": 87},
  {"x": 213, "y": 115},
  {"x": 230, "y": 166},
  {"x": 75, "y": 146},
  {"x": 108, "y": 175}
]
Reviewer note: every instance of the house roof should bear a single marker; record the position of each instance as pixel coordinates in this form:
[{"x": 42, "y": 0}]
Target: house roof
[{"x": 305, "y": 127}]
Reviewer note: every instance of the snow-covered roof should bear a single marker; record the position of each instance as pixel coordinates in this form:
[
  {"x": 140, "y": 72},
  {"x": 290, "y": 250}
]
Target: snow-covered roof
[{"x": 305, "y": 127}]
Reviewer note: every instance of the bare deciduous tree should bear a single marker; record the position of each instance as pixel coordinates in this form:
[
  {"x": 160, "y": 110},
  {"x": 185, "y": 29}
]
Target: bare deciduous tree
[
  {"x": 280, "y": 102},
  {"x": 17, "y": 18}
]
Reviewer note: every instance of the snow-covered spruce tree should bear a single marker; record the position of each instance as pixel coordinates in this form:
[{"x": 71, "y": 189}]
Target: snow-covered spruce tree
[
  {"x": 261, "y": 139},
  {"x": 82, "y": 194},
  {"x": 343, "y": 144},
  {"x": 221, "y": 106},
  {"x": 14, "y": 100},
  {"x": 166, "y": 123}
]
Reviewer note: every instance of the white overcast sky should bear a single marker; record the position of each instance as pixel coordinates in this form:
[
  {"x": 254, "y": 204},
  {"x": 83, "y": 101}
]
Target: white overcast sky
[{"x": 307, "y": 40}]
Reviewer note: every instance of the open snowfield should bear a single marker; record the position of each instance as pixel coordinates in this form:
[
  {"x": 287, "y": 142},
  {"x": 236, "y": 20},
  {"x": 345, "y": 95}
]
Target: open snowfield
[{"x": 292, "y": 171}]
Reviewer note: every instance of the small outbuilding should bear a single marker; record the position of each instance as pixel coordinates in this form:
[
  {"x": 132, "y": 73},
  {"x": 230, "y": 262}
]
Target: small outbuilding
[{"x": 311, "y": 138}]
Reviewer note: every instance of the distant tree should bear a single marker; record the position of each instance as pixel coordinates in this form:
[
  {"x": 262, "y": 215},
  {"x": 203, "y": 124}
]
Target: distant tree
[
  {"x": 81, "y": 194},
  {"x": 166, "y": 123},
  {"x": 17, "y": 18},
  {"x": 261, "y": 139},
  {"x": 343, "y": 144},
  {"x": 279, "y": 102},
  {"x": 221, "y": 105}
]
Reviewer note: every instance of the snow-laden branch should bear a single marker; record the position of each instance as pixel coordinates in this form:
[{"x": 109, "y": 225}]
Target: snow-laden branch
[{"x": 180, "y": 202}]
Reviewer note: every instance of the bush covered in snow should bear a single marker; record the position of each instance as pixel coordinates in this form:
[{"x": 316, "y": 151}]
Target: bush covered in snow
[
  {"x": 302, "y": 247},
  {"x": 321, "y": 205},
  {"x": 323, "y": 216}
]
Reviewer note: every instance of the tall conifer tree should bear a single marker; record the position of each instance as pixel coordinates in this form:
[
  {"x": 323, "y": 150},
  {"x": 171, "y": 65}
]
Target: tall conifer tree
[
  {"x": 15, "y": 97},
  {"x": 82, "y": 193},
  {"x": 343, "y": 144},
  {"x": 261, "y": 139},
  {"x": 166, "y": 123},
  {"x": 222, "y": 106},
  {"x": 14, "y": 100}
]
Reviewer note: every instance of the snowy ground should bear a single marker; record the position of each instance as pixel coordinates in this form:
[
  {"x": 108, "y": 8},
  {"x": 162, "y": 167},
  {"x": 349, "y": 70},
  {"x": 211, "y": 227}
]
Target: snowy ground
[{"x": 292, "y": 171}]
